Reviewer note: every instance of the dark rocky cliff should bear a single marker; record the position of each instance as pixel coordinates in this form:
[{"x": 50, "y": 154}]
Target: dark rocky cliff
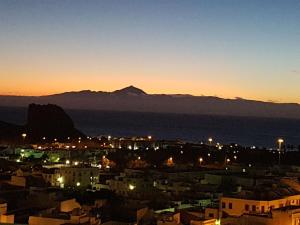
[{"x": 48, "y": 121}]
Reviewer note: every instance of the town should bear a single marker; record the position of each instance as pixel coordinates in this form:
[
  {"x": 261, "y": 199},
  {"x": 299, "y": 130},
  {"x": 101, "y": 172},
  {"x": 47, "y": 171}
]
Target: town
[{"x": 140, "y": 180}]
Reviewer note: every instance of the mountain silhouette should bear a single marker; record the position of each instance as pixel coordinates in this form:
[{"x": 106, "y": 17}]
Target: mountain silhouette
[
  {"x": 134, "y": 99},
  {"x": 131, "y": 90}
]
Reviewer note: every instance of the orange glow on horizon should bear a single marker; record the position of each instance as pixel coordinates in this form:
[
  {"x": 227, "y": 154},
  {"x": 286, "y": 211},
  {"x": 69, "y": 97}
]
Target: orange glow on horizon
[{"x": 152, "y": 89}]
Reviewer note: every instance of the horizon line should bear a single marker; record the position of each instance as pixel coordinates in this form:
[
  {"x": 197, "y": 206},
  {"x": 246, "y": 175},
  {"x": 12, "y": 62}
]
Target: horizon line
[{"x": 192, "y": 95}]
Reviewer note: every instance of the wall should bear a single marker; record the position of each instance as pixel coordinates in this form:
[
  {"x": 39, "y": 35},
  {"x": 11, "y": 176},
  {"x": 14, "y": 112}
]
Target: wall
[
  {"x": 69, "y": 205},
  {"x": 238, "y": 205}
]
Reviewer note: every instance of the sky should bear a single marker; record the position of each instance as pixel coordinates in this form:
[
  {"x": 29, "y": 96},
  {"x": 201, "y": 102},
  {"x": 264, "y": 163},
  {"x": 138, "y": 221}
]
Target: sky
[{"x": 225, "y": 48}]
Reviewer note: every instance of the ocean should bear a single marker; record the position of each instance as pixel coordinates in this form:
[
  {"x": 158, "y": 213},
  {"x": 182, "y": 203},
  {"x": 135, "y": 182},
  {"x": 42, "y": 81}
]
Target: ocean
[{"x": 248, "y": 131}]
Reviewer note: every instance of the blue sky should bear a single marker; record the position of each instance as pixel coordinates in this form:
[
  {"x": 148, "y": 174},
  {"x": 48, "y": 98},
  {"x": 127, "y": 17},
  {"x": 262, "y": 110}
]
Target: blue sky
[{"x": 226, "y": 48}]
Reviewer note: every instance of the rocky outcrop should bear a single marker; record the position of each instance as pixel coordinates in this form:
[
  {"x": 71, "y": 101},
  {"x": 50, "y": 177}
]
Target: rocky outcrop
[{"x": 48, "y": 121}]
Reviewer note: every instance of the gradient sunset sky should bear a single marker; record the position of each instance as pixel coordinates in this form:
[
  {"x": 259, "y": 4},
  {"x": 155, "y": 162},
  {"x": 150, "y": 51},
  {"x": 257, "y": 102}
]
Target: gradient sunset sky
[{"x": 228, "y": 48}]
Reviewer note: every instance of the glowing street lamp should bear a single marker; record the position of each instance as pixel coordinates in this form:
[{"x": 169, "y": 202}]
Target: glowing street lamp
[
  {"x": 200, "y": 160},
  {"x": 280, "y": 142},
  {"x": 24, "y": 135},
  {"x": 131, "y": 187},
  {"x": 210, "y": 140},
  {"x": 227, "y": 160}
]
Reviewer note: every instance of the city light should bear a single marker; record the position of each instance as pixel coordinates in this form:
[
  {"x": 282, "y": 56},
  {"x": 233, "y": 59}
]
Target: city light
[
  {"x": 210, "y": 140},
  {"x": 24, "y": 135},
  {"x": 67, "y": 162},
  {"x": 280, "y": 142},
  {"x": 170, "y": 161},
  {"x": 60, "y": 180},
  {"x": 78, "y": 184},
  {"x": 131, "y": 187}
]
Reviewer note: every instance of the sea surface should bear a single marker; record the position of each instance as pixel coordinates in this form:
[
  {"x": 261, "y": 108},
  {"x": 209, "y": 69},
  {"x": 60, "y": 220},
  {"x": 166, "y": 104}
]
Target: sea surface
[{"x": 224, "y": 129}]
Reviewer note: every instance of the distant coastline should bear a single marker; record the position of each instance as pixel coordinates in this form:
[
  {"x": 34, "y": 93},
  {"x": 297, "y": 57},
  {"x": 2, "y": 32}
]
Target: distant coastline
[{"x": 243, "y": 130}]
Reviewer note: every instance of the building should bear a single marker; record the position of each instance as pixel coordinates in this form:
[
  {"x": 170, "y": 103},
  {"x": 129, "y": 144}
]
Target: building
[
  {"x": 4, "y": 217},
  {"x": 77, "y": 176},
  {"x": 69, "y": 212},
  {"x": 235, "y": 206}
]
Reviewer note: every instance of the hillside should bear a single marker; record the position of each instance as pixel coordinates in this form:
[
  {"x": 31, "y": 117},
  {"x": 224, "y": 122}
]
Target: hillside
[{"x": 135, "y": 99}]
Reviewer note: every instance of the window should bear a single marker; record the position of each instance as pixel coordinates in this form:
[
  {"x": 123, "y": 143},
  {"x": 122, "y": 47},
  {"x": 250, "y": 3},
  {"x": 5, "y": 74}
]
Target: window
[
  {"x": 223, "y": 205},
  {"x": 262, "y": 209},
  {"x": 230, "y": 205},
  {"x": 247, "y": 207},
  {"x": 211, "y": 215},
  {"x": 253, "y": 208}
]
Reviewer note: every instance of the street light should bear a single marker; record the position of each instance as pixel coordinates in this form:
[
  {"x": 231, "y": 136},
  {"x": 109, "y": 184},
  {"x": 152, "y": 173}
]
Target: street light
[
  {"x": 131, "y": 187},
  {"x": 200, "y": 160},
  {"x": 210, "y": 140},
  {"x": 280, "y": 142},
  {"x": 227, "y": 160},
  {"x": 24, "y": 135}
]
